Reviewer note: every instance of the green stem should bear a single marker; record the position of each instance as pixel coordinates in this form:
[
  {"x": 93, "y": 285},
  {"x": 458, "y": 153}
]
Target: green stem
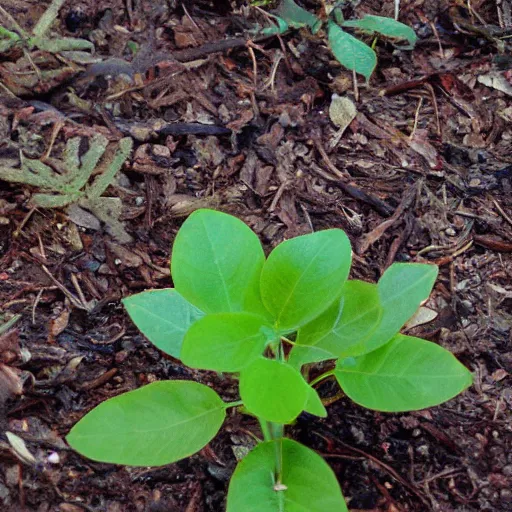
[
  {"x": 280, "y": 352},
  {"x": 278, "y": 453},
  {"x": 265, "y": 429},
  {"x": 227, "y": 405},
  {"x": 321, "y": 377},
  {"x": 286, "y": 340},
  {"x": 14, "y": 23},
  {"x": 274, "y": 432}
]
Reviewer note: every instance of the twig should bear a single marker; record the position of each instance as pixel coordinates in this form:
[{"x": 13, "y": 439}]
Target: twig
[
  {"x": 74, "y": 300},
  {"x": 352, "y": 190},
  {"x": 416, "y": 117},
  {"x": 328, "y": 162},
  {"x": 374, "y": 235},
  {"x": 377, "y": 461},
  {"x": 254, "y": 66},
  {"x": 189, "y": 54},
  {"x": 500, "y": 209}
]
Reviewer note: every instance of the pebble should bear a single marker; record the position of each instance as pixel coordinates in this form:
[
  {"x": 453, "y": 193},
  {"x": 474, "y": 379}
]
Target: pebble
[
  {"x": 506, "y": 495},
  {"x": 507, "y": 470}
]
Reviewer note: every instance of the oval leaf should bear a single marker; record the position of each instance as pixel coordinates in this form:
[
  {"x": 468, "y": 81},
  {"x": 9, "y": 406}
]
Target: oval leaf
[
  {"x": 314, "y": 404},
  {"x": 163, "y": 316},
  {"x": 351, "y": 52},
  {"x": 154, "y": 425},
  {"x": 407, "y": 374},
  {"x": 402, "y": 288},
  {"x": 216, "y": 263},
  {"x": 304, "y": 354},
  {"x": 226, "y": 342},
  {"x": 273, "y": 390},
  {"x": 385, "y": 26},
  {"x": 307, "y": 483},
  {"x": 303, "y": 276},
  {"x": 346, "y": 326},
  {"x": 296, "y": 16}
]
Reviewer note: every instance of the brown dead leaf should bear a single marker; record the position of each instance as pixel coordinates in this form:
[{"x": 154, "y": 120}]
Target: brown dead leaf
[
  {"x": 126, "y": 257},
  {"x": 57, "y": 325},
  {"x": 499, "y": 374}
]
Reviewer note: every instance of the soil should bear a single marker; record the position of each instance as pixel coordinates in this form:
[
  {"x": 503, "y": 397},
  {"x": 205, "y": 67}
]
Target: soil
[{"x": 422, "y": 173}]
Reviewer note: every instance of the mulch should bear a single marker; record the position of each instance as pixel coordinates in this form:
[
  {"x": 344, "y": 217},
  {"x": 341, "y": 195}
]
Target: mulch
[{"x": 423, "y": 173}]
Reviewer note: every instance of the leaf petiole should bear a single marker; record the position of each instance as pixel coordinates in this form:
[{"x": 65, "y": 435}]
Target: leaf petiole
[
  {"x": 237, "y": 403},
  {"x": 320, "y": 378}
]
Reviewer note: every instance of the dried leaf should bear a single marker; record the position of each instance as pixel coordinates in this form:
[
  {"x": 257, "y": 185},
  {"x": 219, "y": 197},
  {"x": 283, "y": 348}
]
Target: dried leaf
[
  {"x": 20, "y": 448},
  {"x": 342, "y": 111},
  {"x": 422, "y": 316}
]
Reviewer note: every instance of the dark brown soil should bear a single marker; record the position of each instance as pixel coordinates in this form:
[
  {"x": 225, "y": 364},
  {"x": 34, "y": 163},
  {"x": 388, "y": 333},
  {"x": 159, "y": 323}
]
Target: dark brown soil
[{"x": 423, "y": 173}]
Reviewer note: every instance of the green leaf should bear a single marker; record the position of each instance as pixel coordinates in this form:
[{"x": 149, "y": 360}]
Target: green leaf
[
  {"x": 307, "y": 484},
  {"x": 345, "y": 327},
  {"x": 79, "y": 175},
  {"x": 61, "y": 44},
  {"x": 6, "y": 44},
  {"x": 163, "y": 316},
  {"x": 407, "y": 374},
  {"x": 303, "y": 276},
  {"x": 103, "y": 180},
  {"x": 303, "y": 354},
  {"x": 216, "y": 263},
  {"x": 49, "y": 16},
  {"x": 273, "y": 390},
  {"x": 386, "y": 26},
  {"x": 53, "y": 200},
  {"x": 280, "y": 28},
  {"x": 351, "y": 52},
  {"x": 314, "y": 404},
  {"x": 296, "y": 16},
  {"x": 154, "y": 425},
  {"x": 402, "y": 288},
  {"x": 226, "y": 342}
]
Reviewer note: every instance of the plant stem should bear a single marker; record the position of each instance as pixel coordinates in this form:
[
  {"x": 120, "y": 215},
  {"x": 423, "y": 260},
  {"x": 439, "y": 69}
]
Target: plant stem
[
  {"x": 274, "y": 432},
  {"x": 286, "y": 340},
  {"x": 227, "y": 405},
  {"x": 14, "y": 23},
  {"x": 321, "y": 377},
  {"x": 280, "y": 351},
  {"x": 265, "y": 429}
]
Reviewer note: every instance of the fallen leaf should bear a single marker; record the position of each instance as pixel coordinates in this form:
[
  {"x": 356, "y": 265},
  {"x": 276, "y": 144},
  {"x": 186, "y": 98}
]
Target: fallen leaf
[
  {"x": 342, "y": 112},
  {"x": 422, "y": 316}
]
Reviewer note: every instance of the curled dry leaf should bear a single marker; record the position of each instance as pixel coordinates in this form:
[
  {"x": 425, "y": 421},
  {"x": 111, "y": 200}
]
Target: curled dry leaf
[
  {"x": 342, "y": 112},
  {"x": 422, "y": 316},
  {"x": 20, "y": 448}
]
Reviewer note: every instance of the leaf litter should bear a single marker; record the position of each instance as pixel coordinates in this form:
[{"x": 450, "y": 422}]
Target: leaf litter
[{"x": 421, "y": 172}]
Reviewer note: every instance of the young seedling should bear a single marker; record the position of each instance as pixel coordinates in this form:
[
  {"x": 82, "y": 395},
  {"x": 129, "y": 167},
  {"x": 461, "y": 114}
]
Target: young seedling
[
  {"x": 39, "y": 38},
  {"x": 351, "y": 52},
  {"x": 233, "y": 310}
]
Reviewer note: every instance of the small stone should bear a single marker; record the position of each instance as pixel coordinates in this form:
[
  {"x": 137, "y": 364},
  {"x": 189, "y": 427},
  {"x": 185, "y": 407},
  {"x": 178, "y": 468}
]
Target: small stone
[
  {"x": 507, "y": 470},
  {"x": 423, "y": 450},
  {"x": 506, "y": 495},
  {"x": 53, "y": 458}
]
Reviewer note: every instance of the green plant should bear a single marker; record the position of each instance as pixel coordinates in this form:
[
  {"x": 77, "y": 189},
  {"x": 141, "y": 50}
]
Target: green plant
[
  {"x": 350, "y": 52},
  {"x": 38, "y": 37},
  {"x": 71, "y": 184},
  {"x": 232, "y": 310}
]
